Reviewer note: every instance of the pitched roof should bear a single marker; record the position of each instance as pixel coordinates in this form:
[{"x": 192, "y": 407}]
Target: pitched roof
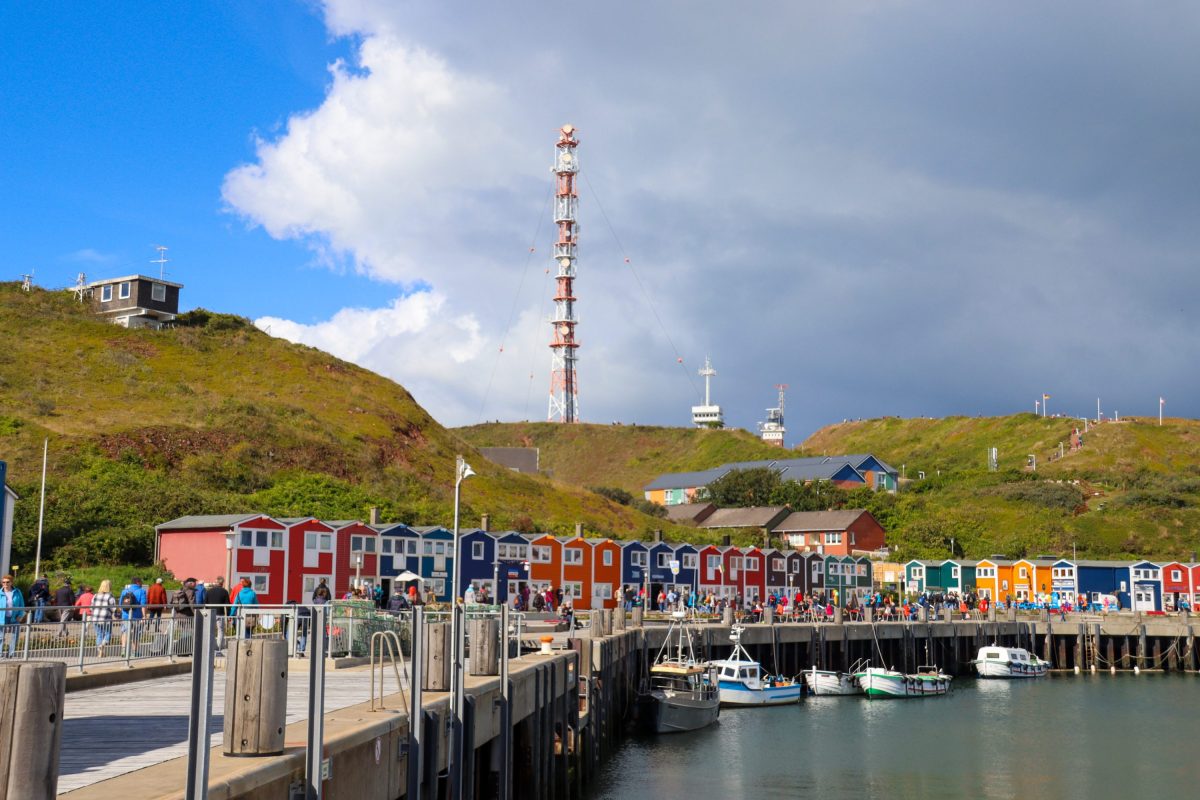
[
  {"x": 757, "y": 517},
  {"x": 685, "y": 480},
  {"x": 194, "y": 521},
  {"x": 689, "y": 512},
  {"x": 800, "y": 521},
  {"x": 1091, "y": 563}
]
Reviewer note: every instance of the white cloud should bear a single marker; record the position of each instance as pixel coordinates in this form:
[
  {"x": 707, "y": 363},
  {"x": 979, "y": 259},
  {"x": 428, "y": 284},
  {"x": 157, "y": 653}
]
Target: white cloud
[{"x": 89, "y": 255}]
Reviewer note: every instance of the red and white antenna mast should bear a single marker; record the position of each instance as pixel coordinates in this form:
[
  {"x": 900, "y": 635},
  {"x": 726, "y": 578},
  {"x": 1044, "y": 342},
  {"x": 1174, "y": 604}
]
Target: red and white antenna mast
[{"x": 564, "y": 391}]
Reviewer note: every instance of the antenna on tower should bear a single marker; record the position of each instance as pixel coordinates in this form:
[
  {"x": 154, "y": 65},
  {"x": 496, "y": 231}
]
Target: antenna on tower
[
  {"x": 772, "y": 430},
  {"x": 81, "y": 289},
  {"x": 161, "y": 260},
  {"x": 27, "y": 282},
  {"x": 564, "y": 390}
]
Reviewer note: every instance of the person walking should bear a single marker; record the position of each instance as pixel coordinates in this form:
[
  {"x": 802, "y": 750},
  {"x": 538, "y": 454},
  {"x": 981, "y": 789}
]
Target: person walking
[
  {"x": 83, "y": 603},
  {"x": 132, "y": 601},
  {"x": 104, "y": 606},
  {"x": 39, "y": 594},
  {"x": 217, "y": 598},
  {"x": 246, "y": 598},
  {"x": 156, "y": 601},
  {"x": 64, "y": 606},
  {"x": 11, "y": 602}
]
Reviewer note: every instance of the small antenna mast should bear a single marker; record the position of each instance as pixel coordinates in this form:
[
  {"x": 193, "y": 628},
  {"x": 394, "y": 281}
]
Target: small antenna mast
[
  {"x": 161, "y": 260},
  {"x": 27, "y": 282},
  {"x": 80, "y": 287}
]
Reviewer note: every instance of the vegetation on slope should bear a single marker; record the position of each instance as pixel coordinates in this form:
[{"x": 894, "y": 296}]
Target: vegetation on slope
[
  {"x": 621, "y": 456},
  {"x": 216, "y": 416}
]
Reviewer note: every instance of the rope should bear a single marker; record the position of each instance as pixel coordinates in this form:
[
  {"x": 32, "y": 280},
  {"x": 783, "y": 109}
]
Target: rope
[
  {"x": 513, "y": 309},
  {"x": 641, "y": 286}
]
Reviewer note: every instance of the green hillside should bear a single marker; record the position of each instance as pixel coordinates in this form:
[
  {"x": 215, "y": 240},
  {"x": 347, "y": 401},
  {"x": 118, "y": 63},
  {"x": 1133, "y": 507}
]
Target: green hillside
[
  {"x": 1131, "y": 489},
  {"x": 216, "y": 416},
  {"x": 624, "y": 456}
]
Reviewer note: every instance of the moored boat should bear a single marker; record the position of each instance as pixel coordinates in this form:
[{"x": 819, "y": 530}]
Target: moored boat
[
  {"x": 879, "y": 682},
  {"x": 831, "y": 683},
  {"x": 742, "y": 683},
  {"x": 1009, "y": 662},
  {"x": 682, "y": 694}
]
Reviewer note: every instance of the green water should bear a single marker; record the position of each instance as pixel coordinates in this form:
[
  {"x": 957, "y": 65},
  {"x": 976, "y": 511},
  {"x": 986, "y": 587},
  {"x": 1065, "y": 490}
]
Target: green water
[{"x": 1062, "y": 737}]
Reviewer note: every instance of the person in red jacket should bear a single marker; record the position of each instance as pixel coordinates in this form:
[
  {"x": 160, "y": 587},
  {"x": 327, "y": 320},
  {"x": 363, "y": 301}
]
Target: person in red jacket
[{"x": 156, "y": 601}]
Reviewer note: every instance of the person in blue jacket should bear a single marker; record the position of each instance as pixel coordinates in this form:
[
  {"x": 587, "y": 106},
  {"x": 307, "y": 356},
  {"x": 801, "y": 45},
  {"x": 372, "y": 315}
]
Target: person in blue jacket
[
  {"x": 132, "y": 602},
  {"x": 11, "y": 602}
]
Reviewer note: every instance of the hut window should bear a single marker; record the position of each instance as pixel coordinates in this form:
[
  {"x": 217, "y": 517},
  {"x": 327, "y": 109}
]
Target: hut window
[
  {"x": 573, "y": 555},
  {"x": 123, "y": 290},
  {"x": 608, "y": 558},
  {"x": 106, "y": 293},
  {"x": 158, "y": 292},
  {"x": 476, "y": 550}
]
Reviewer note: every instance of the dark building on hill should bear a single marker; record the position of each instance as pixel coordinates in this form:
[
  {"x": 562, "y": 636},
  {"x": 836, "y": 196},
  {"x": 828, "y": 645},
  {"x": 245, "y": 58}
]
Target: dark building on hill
[
  {"x": 136, "y": 301},
  {"x": 518, "y": 459}
]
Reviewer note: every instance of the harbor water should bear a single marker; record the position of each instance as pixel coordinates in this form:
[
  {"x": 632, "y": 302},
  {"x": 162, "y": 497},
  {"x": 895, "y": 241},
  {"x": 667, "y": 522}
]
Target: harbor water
[{"x": 1060, "y": 737}]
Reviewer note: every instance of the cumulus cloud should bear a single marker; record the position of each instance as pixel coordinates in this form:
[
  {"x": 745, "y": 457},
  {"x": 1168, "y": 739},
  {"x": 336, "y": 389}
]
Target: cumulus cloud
[{"x": 895, "y": 208}]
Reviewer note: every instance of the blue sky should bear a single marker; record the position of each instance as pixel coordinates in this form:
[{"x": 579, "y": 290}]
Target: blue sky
[{"x": 903, "y": 208}]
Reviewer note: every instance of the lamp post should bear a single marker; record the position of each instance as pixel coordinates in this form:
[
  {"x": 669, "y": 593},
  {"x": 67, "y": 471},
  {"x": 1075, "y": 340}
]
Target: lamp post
[
  {"x": 358, "y": 559},
  {"x": 462, "y": 471},
  {"x": 230, "y": 539}
]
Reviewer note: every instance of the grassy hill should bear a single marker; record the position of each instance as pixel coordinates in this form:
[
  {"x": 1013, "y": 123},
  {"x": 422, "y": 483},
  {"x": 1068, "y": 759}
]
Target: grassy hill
[
  {"x": 623, "y": 456},
  {"x": 215, "y": 416},
  {"x": 1132, "y": 489}
]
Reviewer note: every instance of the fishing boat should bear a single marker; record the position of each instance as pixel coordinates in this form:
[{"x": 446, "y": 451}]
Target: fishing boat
[
  {"x": 682, "y": 694},
  {"x": 880, "y": 682},
  {"x": 742, "y": 683},
  {"x": 1009, "y": 662},
  {"x": 831, "y": 683}
]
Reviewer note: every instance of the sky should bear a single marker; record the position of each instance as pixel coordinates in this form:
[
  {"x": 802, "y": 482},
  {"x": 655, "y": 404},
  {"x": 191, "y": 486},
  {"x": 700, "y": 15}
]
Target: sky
[{"x": 895, "y": 208}]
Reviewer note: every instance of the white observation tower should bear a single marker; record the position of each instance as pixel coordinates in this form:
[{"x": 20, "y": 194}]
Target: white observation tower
[{"x": 707, "y": 415}]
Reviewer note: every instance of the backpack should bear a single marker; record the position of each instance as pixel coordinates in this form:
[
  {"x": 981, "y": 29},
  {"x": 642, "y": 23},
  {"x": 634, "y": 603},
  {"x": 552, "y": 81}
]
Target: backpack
[
  {"x": 129, "y": 601},
  {"x": 182, "y": 602}
]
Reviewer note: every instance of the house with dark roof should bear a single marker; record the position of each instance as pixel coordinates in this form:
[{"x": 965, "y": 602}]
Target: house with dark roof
[
  {"x": 831, "y": 532},
  {"x": 135, "y": 301},
  {"x": 690, "y": 513},
  {"x": 762, "y": 517},
  {"x": 238, "y": 546}
]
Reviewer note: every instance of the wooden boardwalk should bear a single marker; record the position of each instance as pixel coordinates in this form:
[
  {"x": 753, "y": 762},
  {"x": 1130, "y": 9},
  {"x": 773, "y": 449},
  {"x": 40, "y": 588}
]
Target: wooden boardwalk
[{"x": 114, "y": 730}]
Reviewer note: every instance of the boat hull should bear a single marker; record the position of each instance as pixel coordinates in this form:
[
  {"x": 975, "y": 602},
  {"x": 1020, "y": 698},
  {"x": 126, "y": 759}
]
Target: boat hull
[
  {"x": 738, "y": 694},
  {"x": 677, "y": 713},
  {"x": 886, "y": 684},
  {"x": 999, "y": 669},
  {"x": 826, "y": 683}
]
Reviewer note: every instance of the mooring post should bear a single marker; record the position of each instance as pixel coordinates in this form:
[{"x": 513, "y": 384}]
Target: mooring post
[
  {"x": 435, "y": 671},
  {"x": 1141, "y": 645},
  {"x": 618, "y": 619},
  {"x": 727, "y": 615},
  {"x": 416, "y": 702},
  {"x": 31, "y": 718},
  {"x": 505, "y": 739},
  {"x": 314, "y": 748},
  {"x": 199, "y": 739},
  {"x": 638, "y": 615},
  {"x": 485, "y": 644},
  {"x": 256, "y": 673},
  {"x": 768, "y": 615}
]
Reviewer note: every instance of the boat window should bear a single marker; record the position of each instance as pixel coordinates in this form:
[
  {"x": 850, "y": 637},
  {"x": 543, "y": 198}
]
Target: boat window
[{"x": 747, "y": 672}]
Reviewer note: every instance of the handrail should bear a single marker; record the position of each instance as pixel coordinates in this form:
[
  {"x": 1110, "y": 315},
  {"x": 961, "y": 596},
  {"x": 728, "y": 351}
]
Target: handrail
[{"x": 395, "y": 654}]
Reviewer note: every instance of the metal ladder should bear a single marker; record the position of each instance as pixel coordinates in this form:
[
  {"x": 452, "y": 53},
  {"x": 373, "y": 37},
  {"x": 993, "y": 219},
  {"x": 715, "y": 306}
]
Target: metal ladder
[{"x": 387, "y": 643}]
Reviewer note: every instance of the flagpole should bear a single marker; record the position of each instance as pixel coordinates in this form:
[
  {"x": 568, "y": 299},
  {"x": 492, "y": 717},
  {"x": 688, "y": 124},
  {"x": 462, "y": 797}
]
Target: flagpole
[
  {"x": 1160, "y": 407},
  {"x": 37, "y": 560}
]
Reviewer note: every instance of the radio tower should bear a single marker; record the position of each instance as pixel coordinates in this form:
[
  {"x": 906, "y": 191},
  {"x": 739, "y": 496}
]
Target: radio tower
[{"x": 564, "y": 391}]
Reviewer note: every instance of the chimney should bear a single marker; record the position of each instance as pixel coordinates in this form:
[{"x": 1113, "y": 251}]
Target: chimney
[
  {"x": 725, "y": 540},
  {"x": 485, "y": 522},
  {"x": 375, "y": 515},
  {"x": 579, "y": 529},
  {"x": 658, "y": 536}
]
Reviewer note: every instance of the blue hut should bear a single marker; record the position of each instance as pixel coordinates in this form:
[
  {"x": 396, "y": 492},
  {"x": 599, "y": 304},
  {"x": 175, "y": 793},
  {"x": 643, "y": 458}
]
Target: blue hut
[
  {"x": 1064, "y": 581},
  {"x": 512, "y": 564},
  {"x": 661, "y": 555},
  {"x": 399, "y": 551},
  {"x": 1145, "y": 581},
  {"x": 477, "y": 561},
  {"x": 689, "y": 566},
  {"x": 634, "y": 560},
  {"x": 1098, "y": 578},
  {"x": 437, "y": 560}
]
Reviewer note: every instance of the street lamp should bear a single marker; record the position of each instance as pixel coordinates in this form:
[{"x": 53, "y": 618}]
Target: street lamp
[
  {"x": 230, "y": 540},
  {"x": 462, "y": 471},
  {"x": 358, "y": 559}
]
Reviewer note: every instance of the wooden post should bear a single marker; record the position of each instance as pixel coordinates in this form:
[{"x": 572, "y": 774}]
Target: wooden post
[
  {"x": 925, "y": 613},
  {"x": 727, "y": 615},
  {"x": 435, "y": 672},
  {"x": 991, "y": 615},
  {"x": 868, "y": 614},
  {"x": 946, "y": 614},
  {"x": 485, "y": 646},
  {"x": 768, "y": 615},
  {"x": 601, "y": 622},
  {"x": 837, "y": 615},
  {"x": 637, "y": 616},
  {"x": 31, "y": 713},
  {"x": 255, "y": 697},
  {"x": 1012, "y": 614},
  {"x": 618, "y": 619}
]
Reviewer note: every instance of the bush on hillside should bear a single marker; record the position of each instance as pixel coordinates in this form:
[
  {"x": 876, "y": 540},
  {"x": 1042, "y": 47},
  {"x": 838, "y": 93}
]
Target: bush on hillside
[
  {"x": 1062, "y": 497},
  {"x": 618, "y": 495},
  {"x": 744, "y": 488},
  {"x": 211, "y": 320}
]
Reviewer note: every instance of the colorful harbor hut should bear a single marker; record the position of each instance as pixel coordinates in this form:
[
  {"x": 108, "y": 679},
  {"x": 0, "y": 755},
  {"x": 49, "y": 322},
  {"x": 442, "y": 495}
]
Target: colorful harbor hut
[
  {"x": 635, "y": 559},
  {"x": 437, "y": 560},
  {"x": 754, "y": 581},
  {"x": 356, "y": 556},
  {"x": 775, "y": 562},
  {"x": 1195, "y": 571},
  {"x": 577, "y": 571},
  {"x": 1145, "y": 581},
  {"x": 512, "y": 565},
  {"x": 1098, "y": 578},
  {"x": 689, "y": 572},
  {"x": 815, "y": 567},
  {"x": 545, "y": 561},
  {"x": 606, "y": 573},
  {"x": 712, "y": 570},
  {"x": 399, "y": 552},
  {"x": 240, "y": 546},
  {"x": 309, "y": 557},
  {"x": 917, "y": 577},
  {"x": 797, "y": 575},
  {"x": 660, "y": 556},
  {"x": 476, "y": 561},
  {"x": 1176, "y": 585}
]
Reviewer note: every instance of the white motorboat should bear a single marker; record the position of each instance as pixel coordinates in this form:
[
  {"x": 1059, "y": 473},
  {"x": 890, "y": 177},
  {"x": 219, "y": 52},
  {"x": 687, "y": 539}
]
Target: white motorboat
[
  {"x": 831, "y": 683},
  {"x": 879, "y": 682},
  {"x": 1009, "y": 662},
  {"x": 742, "y": 683}
]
